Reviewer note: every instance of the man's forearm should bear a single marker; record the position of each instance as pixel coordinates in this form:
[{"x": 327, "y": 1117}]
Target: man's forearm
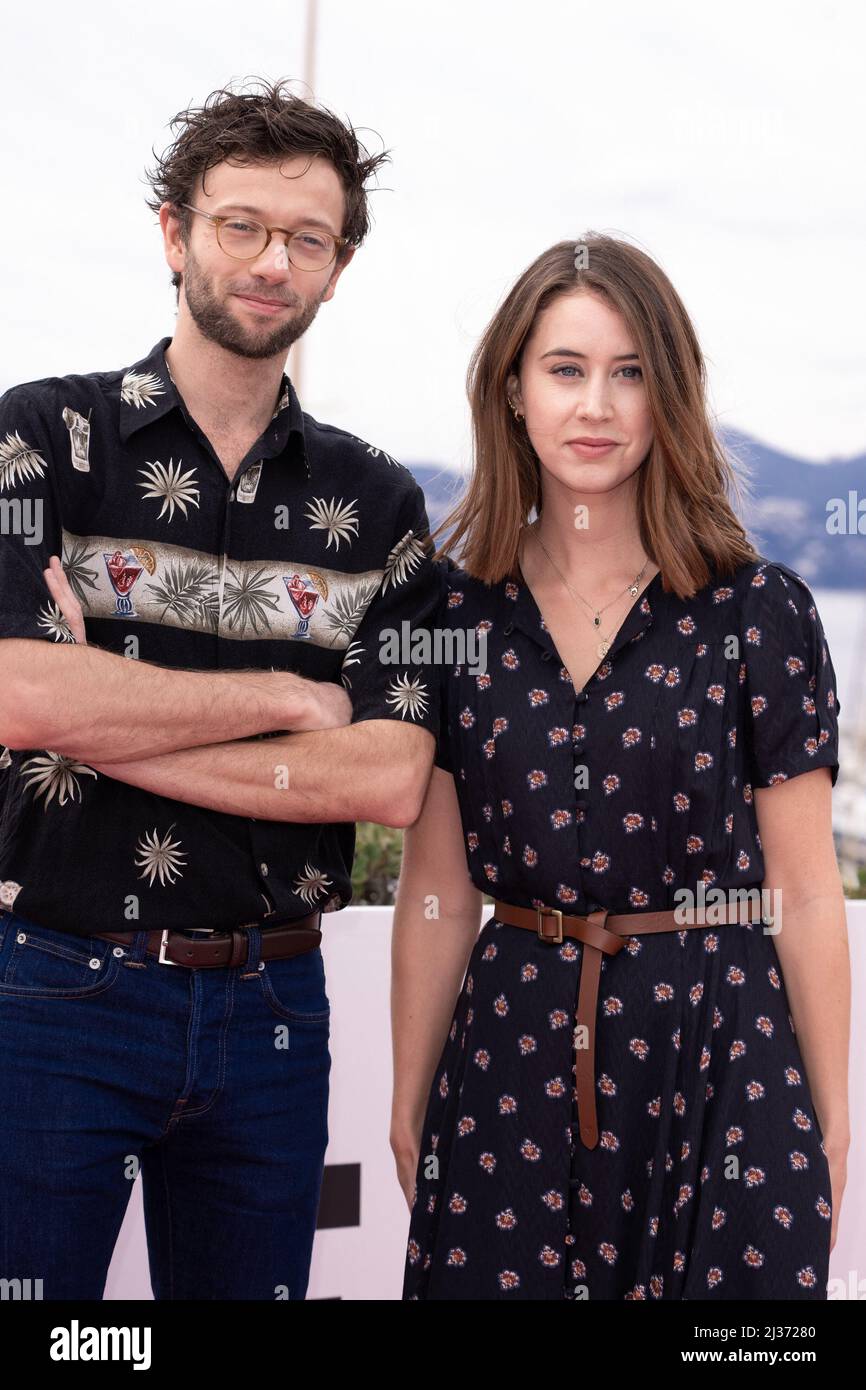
[
  {"x": 91, "y": 704},
  {"x": 375, "y": 770}
]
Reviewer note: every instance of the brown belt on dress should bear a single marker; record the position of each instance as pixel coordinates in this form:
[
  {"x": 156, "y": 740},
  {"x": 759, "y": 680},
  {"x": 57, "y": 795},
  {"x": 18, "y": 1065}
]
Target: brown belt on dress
[
  {"x": 605, "y": 933},
  {"x": 222, "y": 948}
]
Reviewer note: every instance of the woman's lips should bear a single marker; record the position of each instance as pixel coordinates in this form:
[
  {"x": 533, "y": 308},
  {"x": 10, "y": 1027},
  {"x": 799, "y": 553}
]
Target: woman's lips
[{"x": 590, "y": 451}]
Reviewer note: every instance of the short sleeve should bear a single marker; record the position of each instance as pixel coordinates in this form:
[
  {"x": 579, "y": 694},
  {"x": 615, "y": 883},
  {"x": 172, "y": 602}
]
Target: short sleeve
[
  {"x": 30, "y": 533},
  {"x": 443, "y": 757},
  {"x": 791, "y": 703},
  {"x": 389, "y": 668}
]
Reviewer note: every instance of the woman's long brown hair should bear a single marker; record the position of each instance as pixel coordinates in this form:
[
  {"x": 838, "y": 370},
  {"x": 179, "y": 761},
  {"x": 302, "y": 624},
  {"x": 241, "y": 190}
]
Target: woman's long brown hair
[{"x": 687, "y": 523}]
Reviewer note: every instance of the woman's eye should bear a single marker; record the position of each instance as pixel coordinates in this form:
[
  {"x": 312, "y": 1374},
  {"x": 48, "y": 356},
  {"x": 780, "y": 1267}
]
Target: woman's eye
[{"x": 567, "y": 367}]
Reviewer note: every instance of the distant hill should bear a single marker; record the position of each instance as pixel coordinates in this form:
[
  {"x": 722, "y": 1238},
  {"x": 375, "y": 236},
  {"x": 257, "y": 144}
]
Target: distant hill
[{"x": 786, "y": 519}]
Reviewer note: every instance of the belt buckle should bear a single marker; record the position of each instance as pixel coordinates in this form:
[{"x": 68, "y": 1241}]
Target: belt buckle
[
  {"x": 550, "y": 912},
  {"x": 163, "y": 958}
]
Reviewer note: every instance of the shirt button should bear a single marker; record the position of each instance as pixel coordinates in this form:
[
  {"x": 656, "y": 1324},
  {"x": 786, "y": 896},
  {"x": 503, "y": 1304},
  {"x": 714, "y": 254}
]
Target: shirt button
[
  {"x": 580, "y": 697},
  {"x": 508, "y": 629},
  {"x": 545, "y": 656},
  {"x": 264, "y": 869}
]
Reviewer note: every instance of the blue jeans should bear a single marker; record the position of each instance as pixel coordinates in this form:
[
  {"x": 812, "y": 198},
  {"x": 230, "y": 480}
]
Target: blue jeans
[{"x": 213, "y": 1081}]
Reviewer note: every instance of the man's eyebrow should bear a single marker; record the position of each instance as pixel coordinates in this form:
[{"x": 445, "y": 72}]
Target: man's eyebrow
[
  {"x": 569, "y": 352},
  {"x": 257, "y": 212}
]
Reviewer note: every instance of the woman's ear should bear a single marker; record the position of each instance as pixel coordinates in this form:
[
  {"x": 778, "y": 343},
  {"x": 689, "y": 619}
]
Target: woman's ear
[{"x": 512, "y": 391}]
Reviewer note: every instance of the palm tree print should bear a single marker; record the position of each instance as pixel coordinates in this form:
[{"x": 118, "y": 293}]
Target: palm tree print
[
  {"x": 189, "y": 591},
  {"x": 338, "y": 520},
  {"x": 311, "y": 883},
  {"x": 160, "y": 858},
  {"x": 409, "y": 697},
  {"x": 402, "y": 560},
  {"x": 140, "y": 389},
  {"x": 81, "y": 577},
  {"x": 54, "y": 775},
  {"x": 246, "y": 601},
  {"x": 175, "y": 488},
  {"x": 53, "y": 620},
  {"x": 352, "y": 658},
  {"x": 349, "y": 608},
  {"x": 19, "y": 462}
]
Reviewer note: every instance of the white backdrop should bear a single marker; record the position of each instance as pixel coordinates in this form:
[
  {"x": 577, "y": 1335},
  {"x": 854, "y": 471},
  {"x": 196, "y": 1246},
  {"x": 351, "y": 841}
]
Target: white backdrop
[{"x": 366, "y": 1262}]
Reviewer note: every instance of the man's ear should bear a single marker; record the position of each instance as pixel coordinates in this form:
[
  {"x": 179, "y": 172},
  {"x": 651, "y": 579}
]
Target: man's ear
[{"x": 169, "y": 221}]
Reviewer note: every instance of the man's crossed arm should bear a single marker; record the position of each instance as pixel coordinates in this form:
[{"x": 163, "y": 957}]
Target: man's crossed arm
[
  {"x": 376, "y": 770},
  {"x": 192, "y": 735}
]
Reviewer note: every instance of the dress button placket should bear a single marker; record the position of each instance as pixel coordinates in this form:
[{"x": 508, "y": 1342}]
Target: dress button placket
[{"x": 581, "y": 804}]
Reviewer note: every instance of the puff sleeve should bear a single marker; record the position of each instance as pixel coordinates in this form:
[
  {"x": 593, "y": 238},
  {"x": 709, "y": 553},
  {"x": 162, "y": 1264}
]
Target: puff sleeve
[
  {"x": 443, "y": 757},
  {"x": 791, "y": 709}
]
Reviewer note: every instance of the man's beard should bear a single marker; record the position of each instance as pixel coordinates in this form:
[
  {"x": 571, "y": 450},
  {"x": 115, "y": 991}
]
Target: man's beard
[{"x": 214, "y": 320}]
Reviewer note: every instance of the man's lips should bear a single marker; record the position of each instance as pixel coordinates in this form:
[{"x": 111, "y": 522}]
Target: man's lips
[{"x": 268, "y": 306}]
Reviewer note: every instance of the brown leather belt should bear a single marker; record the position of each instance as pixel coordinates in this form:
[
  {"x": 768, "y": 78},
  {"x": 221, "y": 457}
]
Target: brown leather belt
[
  {"x": 603, "y": 933},
  {"x": 226, "y": 948}
]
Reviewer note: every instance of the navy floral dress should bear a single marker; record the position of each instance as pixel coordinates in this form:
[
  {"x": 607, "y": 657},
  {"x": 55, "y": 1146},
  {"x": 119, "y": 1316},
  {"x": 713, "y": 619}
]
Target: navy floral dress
[{"x": 710, "y": 1179}]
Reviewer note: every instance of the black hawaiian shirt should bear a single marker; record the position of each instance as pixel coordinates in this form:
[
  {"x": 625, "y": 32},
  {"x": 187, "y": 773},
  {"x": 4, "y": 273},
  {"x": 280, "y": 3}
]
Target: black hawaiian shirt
[{"x": 318, "y": 545}]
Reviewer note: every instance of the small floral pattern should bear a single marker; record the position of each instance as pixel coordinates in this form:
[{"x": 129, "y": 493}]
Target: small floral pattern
[{"x": 710, "y": 1178}]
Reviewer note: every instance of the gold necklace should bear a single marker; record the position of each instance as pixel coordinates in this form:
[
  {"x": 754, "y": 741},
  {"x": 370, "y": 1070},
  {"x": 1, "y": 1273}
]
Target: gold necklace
[{"x": 632, "y": 588}]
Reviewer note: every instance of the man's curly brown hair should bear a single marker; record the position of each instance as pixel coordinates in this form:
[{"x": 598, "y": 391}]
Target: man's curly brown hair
[{"x": 261, "y": 127}]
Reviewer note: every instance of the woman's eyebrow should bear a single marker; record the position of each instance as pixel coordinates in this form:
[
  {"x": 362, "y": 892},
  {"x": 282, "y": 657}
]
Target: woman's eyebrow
[{"x": 569, "y": 352}]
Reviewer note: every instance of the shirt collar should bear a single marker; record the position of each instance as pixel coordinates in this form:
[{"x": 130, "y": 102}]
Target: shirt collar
[{"x": 147, "y": 393}]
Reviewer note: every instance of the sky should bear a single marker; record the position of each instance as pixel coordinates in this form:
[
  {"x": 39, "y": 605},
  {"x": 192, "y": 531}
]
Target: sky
[{"x": 724, "y": 141}]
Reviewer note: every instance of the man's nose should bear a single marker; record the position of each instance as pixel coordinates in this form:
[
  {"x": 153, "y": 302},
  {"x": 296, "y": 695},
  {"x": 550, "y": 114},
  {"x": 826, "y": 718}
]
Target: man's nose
[{"x": 273, "y": 263}]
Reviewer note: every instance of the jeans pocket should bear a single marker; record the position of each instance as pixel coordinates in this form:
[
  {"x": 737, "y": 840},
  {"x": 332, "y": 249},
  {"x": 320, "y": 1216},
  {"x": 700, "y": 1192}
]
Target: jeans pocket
[
  {"x": 40, "y": 962},
  {"x": 294, "y": 987}
]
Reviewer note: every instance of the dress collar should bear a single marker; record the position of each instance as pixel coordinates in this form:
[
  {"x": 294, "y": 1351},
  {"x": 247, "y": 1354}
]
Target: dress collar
[{"x": 523, "y": 612}]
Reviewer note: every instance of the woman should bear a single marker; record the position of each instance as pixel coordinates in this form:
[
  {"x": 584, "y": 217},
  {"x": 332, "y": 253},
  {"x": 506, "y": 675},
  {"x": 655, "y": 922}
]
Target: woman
[{"x": 657, "y": 713}]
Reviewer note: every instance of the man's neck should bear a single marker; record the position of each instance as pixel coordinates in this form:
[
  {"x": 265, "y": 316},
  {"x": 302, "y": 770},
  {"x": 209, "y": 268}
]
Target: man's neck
[{"x": 221, "y": 390}]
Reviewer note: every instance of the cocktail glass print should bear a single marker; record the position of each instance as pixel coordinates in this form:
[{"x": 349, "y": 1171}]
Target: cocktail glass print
[
  {"x": 304, "y": 596},
  {"x": 124, "y": 571}
]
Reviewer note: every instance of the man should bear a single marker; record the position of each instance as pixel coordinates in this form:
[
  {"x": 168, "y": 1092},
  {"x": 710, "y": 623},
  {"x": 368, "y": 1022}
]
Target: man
[{"x": 195, "y": 713}]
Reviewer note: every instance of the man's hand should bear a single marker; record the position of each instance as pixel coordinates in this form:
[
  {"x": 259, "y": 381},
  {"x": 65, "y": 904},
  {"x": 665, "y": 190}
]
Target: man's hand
[
  {"x": 330, "y": 708},
  {"x": 59, "y": 588}
]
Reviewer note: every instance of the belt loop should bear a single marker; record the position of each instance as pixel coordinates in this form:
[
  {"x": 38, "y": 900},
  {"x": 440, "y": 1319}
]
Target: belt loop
[
  {"x": 254, "y": 948},
  {"x": 138, "y": 948}
]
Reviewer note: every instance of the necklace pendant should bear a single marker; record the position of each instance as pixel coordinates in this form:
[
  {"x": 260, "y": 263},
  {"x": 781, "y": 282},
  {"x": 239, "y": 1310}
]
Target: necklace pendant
[
  {"x": 633, "y": 591},
  {"x": 603, "y": 648},
  {"x": 597, "y": 620}
]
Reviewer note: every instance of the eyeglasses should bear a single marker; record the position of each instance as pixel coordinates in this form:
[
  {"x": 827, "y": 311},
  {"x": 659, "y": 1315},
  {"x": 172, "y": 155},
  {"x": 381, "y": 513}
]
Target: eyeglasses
[{"x": 307, "y": 248}]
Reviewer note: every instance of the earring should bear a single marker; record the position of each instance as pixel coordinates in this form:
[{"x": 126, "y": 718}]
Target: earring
[{"x": 517, "y": 415}]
